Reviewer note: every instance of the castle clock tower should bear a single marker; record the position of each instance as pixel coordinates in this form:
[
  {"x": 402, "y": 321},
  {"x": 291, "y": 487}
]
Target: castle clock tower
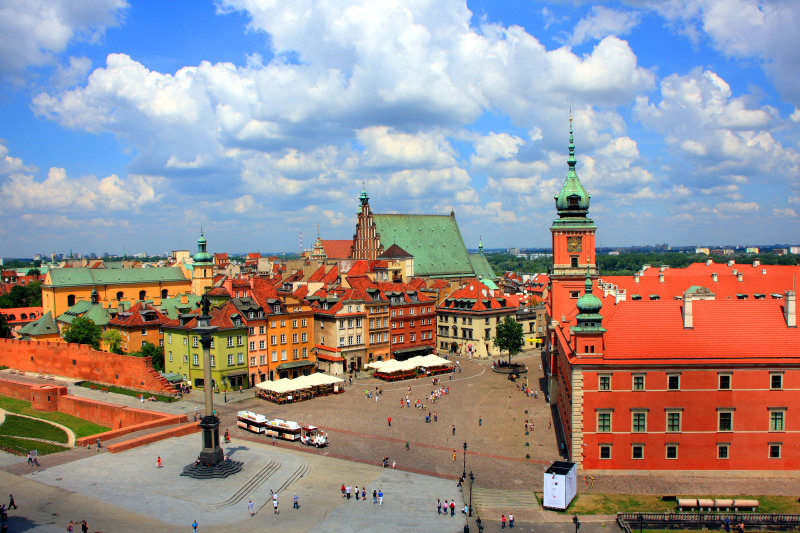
[{"x": 573, "y": 233}]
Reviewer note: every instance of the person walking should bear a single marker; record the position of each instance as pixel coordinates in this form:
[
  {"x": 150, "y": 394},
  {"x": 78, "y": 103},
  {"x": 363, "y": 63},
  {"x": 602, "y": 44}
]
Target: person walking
[
  {"x": 511, "y": 521},
  {"x": 374, "y": 497},
  {"x": 390, "y": 421},
  {"x": 296, "y": 501},
  {"x": 159, "y": 462},
  {"x": 452, "y": 508},
  {"x": 445, "y": 507},
  {"x": 394, "y": 465},
  {"x": 357, "y": 493},
  {"x": 84, "y": 527},
  {"x": 71, "y": 527},
  {"x": 349, "y": 492},
  {"x": 408, "y": 445},
  {"x": 194, "y": 526},
  {"x": 11, "y": 502},
  {"x": 275, "y": 504},
  {"x": 380, "y": 496},
  {"x": 503, "y": 522},
  {"x": 251, "y": 507},
  {"x": 454, "y": 430},
  {"x": 363, "y": 494},
  {"x": 454, "y": 456},
  {"x": 438, "y": 506}
]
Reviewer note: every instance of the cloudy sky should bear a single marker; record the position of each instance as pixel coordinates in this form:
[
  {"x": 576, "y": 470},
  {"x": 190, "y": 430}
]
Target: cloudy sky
[{"x": 125, "y": 123}]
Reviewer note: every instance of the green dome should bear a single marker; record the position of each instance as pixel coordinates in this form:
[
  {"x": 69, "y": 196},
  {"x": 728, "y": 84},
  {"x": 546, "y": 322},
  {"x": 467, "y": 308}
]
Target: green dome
[
  {"x": 573, "y": 200},
  {"x": 589, "y": 304},
  {"x": 202, "y": 256}
]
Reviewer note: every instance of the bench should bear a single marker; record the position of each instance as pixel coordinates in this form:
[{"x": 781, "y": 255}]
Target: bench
[
  {"x": 104, "y": 389},
  {"x": 721, "y": 504}
]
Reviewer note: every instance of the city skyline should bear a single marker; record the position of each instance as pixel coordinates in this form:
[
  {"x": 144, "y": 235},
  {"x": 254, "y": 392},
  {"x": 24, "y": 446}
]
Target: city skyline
[{"x": 125, "y": 124}]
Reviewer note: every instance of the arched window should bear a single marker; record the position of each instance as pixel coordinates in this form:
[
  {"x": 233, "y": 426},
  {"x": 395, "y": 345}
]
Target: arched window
[
  {"x": 70, "y": 300},
  {"x": 142, "y": 295},
  {"x": 164, "y": 293},
  {"x": 24, "y": 316},
  {"x": 120, "y": 295}
]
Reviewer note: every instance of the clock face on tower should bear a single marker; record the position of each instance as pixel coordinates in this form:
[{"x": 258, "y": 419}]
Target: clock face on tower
[{"x": 574, "y": 244}]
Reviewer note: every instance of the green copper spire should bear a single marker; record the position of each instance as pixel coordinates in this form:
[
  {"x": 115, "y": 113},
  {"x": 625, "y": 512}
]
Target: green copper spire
[
  {"x": 480, "y": 244},
  {"x": 589, "y": 319},
  {"x": 202, "y": 255},
  {"x": 573, "y": 200},
  {"x": 364, "y": 197}
]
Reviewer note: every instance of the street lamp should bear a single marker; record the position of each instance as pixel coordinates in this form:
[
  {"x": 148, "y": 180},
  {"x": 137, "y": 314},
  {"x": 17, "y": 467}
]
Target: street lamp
[
  {"x": 471, "y": 481},
  {"x": 464, "y": 475},
  {"x": 577, "y": 523}
]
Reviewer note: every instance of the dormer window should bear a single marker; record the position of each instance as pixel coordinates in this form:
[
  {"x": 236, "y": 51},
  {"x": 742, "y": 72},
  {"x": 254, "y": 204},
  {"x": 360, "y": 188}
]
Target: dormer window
[
  {"x": 573, "y": 261},
  {"x": 573, "y": 200}
]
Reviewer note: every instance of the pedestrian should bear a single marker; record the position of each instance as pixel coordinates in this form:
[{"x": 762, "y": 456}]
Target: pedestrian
[
  {"x": 30, "y": 456},
  {"x": 452, "y": 508},
  {"x": 550, "y": 424},
  {"x": 445, "y": 507},
  {"x": 727, "y": 524},
  {"x": 511, "y": 521},
  {"x": 394, "y": 465},
  {"x": 390, "y": 421},
  {"x": 454, "y": 430},
  {"x": 408, "y": 445},
  {"x": 438, "y": 506},
  {"x": 480, "y": 421},
  {"x": 159, "y": 463},
  {"x": 84, "y": 527},
  {"x": 251, "y": 508},
  {"x": 71, "y": 527},
  {"x": 3, "y": 512},
  {"x": 296, "y": 500},
  {"x": 454, "y": 456},
  {"x": 357, "y": 493},
  {"x": 374, "y": 497},
  {"x": 380, "y": 499},
  {"x": 349, "y": 492},
  {"x": 402, "y": 402},
  {"x": 344, "y": 491},
  {"x": 435, "y": 417},
  {"x": 275, "y": 504},
  {"x": 503, "y": 522},
  {"x": 11, "y": 502},
  {"x": 363, "y": 494}
]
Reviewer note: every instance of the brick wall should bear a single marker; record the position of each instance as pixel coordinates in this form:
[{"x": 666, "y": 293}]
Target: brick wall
[{"x": 80, "y": 361}]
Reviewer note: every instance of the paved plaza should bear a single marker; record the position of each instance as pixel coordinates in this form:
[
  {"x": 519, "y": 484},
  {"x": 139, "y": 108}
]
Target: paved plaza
[{"x": 126, "y": 492}]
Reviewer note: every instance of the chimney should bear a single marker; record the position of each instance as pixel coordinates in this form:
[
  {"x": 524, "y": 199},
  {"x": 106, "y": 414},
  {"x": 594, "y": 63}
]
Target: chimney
[
  {"x": 756, "y": 263},
  {"x": 735, "y": 271},
  {"x": 763, "y": 270},
  {"x": 740, "y": 276},
  {"x": 730, "y": 262},
  {"x": 688, "y": 318},
  {"x": 636, "y": 277},
  {"x": 661, "y": 278},
  {"x": 790, "y": 309},
  {"x": 714, "y": 276},
  {"x": 708, "y": 262},
  {"x": 184, "y": 298}
]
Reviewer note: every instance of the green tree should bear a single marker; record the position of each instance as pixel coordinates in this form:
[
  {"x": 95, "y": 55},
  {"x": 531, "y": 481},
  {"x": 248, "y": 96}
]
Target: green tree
[
  {"x": 113, "y": 339},
  {"x": 156, "y": 353},
  {"x": 509, "y": 337},
  {"x": 83, "y": 331},
  {"x": 34, "y": 272},
  {"x": 5, "y": 329}
]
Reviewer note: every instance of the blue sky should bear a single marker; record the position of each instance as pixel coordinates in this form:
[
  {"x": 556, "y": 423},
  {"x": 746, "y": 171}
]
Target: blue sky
[{"x": 125, "y": 124}]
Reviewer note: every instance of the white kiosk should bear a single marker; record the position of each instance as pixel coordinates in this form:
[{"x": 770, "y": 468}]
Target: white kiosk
[{"x": 560, "y": 485}]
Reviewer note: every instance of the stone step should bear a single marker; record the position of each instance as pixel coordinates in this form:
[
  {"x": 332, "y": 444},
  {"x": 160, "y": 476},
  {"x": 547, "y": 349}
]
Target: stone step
[{"x": 483, "y": 498}]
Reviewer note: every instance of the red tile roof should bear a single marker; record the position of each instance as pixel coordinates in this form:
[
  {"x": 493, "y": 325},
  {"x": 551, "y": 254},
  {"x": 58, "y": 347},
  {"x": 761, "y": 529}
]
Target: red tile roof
[
  {"x": 133, "y": 317},
  {"x": 337, "y": 249}
]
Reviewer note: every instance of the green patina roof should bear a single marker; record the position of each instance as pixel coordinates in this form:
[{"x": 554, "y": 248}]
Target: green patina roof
[
  {"x": 481, "y": 267},
  {"x": 202, "y": 255},
  {"x": 434, "y": 240},
  {"x": 172, "y": 307},
  {"x": 572, "y": 202},
  {"x": 489, "y": 283},
  {"x": 70, "y": 277},
  {"x": 44, "y": 326},
  {"x": 86, "y": 309}
]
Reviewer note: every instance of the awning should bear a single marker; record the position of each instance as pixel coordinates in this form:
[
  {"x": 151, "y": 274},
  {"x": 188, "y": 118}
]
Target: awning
[
  {"x": 234, "y": 373},
  {"x": 330, "y": 358},
  {"x": 415, "y": 349},
  {"x": 295, "y": 364},
  {"x": 173, "y": 378}
]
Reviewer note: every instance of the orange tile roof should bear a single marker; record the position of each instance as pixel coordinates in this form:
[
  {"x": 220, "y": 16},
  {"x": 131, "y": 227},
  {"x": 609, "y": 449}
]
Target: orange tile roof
[
  {"x": 337, "y": 249},
  {"x": 133, "y": 317}
]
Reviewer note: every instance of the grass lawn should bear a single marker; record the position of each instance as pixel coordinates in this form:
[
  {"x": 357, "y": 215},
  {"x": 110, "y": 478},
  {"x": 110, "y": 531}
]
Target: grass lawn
[
  {"x": 23, "y": 446},
  {"x": 126, "y": 392},
  {"x": 609, "y": 504},
  {"x": 25, "y": 427},
  {"x": 81, "y": 427}
]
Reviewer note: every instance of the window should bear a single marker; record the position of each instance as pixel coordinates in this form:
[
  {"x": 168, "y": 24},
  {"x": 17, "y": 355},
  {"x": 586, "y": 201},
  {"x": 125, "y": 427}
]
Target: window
[
  {"x": 283, "y": 323},
  {"x": 638, "y": 381},
  {"x": 295, "y": 353},
  {"x": 169, "y": 338},
  {"x": 196, "y": 360},
  {"x": 186, "y": 359},
  {"x": 725, "y": 420},
  {"x": 305, "y": 353},
  {"x": 605, "y": 451},
  {"x": 252, "y": 346},
  {"x": 273, "y": 324},
  {"x": 261, "y": 330},
  {"x": 358, "y": 339},
  {"x": 283, "y": 338},
  {"x": 605, "y": 381},
  {"x": 262, "y": 359},
  {"x": 358, "y": 322},
  {"x": 294, "y": 323},
  {"x": 350, "y": 322},
  {"x": 604, "y": 422},
  {"x": 262, "y": 345},
  {"x": 725, "y": 381},
  {"x": 672, "y": 451},
  {"x": 414, "y": 337},
  {"x": 775, "y": 450},
  {"x": 412, "y": 323},
  {"x": 274, "y": 356},
  {"x": 253, "y": 360},
  {"x": 637, "y": 451},
  {"x": 674, "y": 381},
  {"x": 294, "y": 338},
  {"x": 723, "y": 451},
  {"x": 777, "y": 420},
  {"x": 776, "y": 380},
  {"x": 304, "y": 322},
  {"x": 161, "y": 342},
  {"x": 283, "y": 355},
  {"x": 251, "y": 330},
  {"x": 341, "y": 341},
  {"x": 402, "y": 338},
  {"x": 385, "y": 337},
  {"x": 230, "y": 359},
  {"x": 186, "y": 341},
  {"x": 371, "y": 338},
  {"x": 240, "y": 358},
  {"x": 194, "y": 341},
  {"x": 673, "y": 421},
  {"x": 239, "y": 340},
  {"x": 213, "y": 361},
  {"x": 273, "y": 339},
  {"x": 170, "y": 356},
  {"x": 349, "y": 340},
  {"x": 144, "y": 331},
  {"x": 304, "y": 337},
  {"x": 230, "y": 341},
  {"x": 639, "y": 424}
]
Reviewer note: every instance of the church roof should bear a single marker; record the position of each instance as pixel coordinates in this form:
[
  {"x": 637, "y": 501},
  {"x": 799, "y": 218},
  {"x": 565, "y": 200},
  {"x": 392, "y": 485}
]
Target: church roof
[
  {"x": 44, "y": 326},
  {"x": 481, "y": 266},
  {"x": 86, "y": 309},
  {"x": 434, "y": 240},
  {"x": 71, "y": 277},
  {"x": 394, "y": 252},
  {"x": 337, "y": 248}
]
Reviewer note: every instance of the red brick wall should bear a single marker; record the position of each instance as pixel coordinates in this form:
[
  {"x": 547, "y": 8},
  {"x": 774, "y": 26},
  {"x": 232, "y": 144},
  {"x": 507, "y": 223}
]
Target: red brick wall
[
  {"x": 106, "y": 414},
  {"x": 21, "y": 391},
  {"x": 79, "y": 361},
  {"x": 178, "y": 431}
]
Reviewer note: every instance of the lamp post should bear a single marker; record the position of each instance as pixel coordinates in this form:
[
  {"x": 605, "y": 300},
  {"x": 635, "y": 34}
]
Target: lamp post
[
  {"x": 464, "y": 475},
  {"x": 641, "y": 522},
  {"x": 471, "y": 481},
  {"x": 577, "y": 523}
]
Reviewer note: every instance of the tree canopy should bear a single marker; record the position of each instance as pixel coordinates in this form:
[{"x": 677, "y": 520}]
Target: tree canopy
[
  {"x": 509, "y": 337},
  {"x": 83, "y": 331},
  {"x": 113, "y": 339},
  {"x": 5, "y": 329},
  {"x": 29, "y": 295},
  {"x": 155, "y": 353}
]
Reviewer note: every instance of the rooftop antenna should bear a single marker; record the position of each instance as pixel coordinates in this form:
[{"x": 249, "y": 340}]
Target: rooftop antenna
[{"x": 301, "y": 243}]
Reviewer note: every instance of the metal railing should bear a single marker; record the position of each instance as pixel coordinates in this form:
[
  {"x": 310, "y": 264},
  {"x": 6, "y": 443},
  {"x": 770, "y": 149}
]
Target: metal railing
[{"x": 631, "y": 522}]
